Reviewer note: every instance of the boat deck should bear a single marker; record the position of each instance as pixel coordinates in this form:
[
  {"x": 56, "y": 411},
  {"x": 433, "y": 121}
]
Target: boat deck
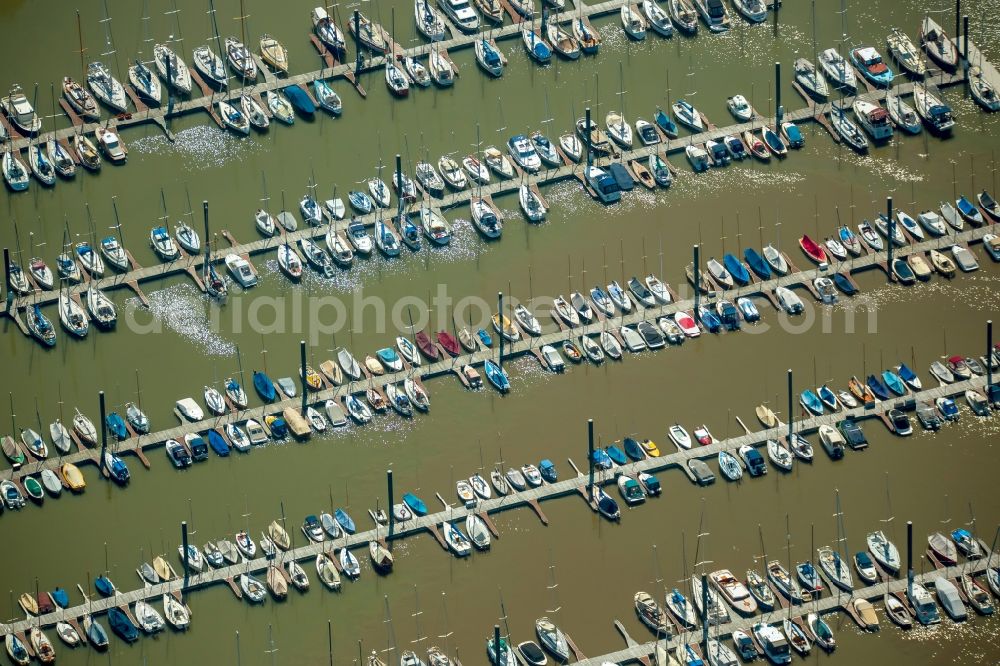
[{"x": 530, "y": 497}]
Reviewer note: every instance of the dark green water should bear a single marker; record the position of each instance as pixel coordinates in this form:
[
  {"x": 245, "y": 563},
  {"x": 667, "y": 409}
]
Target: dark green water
[{"x": 598, "y": 566}]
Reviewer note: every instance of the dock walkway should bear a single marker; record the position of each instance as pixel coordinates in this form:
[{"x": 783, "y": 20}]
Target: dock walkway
[
  {"x": 192, "y": 264},
  {"x": 527, "y": 345},
  {"x": 528, "y": 498}
]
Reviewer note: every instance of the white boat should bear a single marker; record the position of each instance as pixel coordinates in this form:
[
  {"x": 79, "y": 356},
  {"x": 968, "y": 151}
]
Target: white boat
[
  {"x": 632, "y": 21},
  {"x": 457, "y": 542},
  {"x": 562, "y": 41},
  {"x": 254, "y": 112},
  {"x": 233, "y": 118},
  {"x": 172, "y": 68},
  {"x": 241, "y": 60},
  {"x": 714, "y": 14},
  {"x": 429, "y": 21},
  {"x": 619, "y": 129},
  {"x": 697, "y": 157},
  {"x": 72, "y": 316},
  {"x": 740, "y": 108},
  {"x": 280, "y": 107},
  {"x": 779, "y": 455},
  {"x": 679, "y": 436},
  {"x": 241, "y": 270},
  {"x": 884, "y": 551},
  {"x": 874, "y": 119},
  {"x": 836, "y": 68},
  {"x": 901, "y": 113},
  {"x": 461, "y": 13},
  {"x": 176, "y": 613},
  {"x": 657, "y": 19},
  {"x": 754, "y": 11},
  {"x": 809, "y": 79},
  {"x": 906, "y": 53},
  {"x": 983, "y": 92},
  {"x": 847, "y": 130},
  {"x": 210, "y": 66},
  {"x": 932, "y": 110},
  {"x": 107, "y": 88},
  {"x": 531, "y": 205},
  {"x": 441, "y": 68}
]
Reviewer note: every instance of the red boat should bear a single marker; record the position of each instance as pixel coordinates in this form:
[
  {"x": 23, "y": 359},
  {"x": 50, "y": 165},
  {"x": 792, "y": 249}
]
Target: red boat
[
  {"x": 449, "y": 343},
  {"x": 427, "y": 347},
  {"x": 813, "y": 250}
]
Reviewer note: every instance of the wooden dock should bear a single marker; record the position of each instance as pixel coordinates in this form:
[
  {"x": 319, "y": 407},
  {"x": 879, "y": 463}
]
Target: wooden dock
[
  {"x": 529, "y": 498},
  {"x": 449, "y": 200},
  {"x": 527, "y": 345}
]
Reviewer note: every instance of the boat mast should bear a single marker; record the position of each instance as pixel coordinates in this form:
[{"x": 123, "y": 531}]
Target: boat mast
[{"x": 791, "y": 575}]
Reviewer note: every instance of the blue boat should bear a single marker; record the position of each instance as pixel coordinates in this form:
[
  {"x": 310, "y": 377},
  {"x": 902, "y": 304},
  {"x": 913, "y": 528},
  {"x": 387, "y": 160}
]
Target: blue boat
[
  {"x": 894, "y": 382},
  {"x": 910, "y": 377},
  {"x": 360, "y": 202},
  {"x": 709, "y": 320},
  {"x": 264, "y": 386},
  {"x": 665, "y": 123},
  {"x": 121, "y": 625},
  {"x": 537, "y": 49},
  {"x": 650, "y": 483},
  {"x": 416, "y": 504},
  {"x": 96, "y": 634},
  {"x": 218, "y": 443},
  {"x": 601, "y": 460},
  {"x": 607, "y": 506},
  {"x": 828, "y": 397},
  {"x": 389, "y": 357},
  {"x": 485, "y": 337},
  {"x": 116, "y": 424},
  {"x": 345, "y": 521},
  {"x": 868, "y": 61},
  {"x": 278, "y": 427},
  {"x": 736, "y": 269},
  {"x": 117, "y": 468},
  {"x": 877, "y": 387},
  {"x": 409, "y": 233},
  {"x": 497, "y": 376},
  {"x": 59, "y": 597},
  {"x": 794, "y": 136},
  {"x": 689, "y": 657},
  {"x": 847, "y": 237},
  {"x": 748, "y": 309},
  {"x": 199, "y": 449},
  {"x": 300, "y": 100},
  {"x": 633, "y": 449},
  {"x": 104, "y": 586},
  {"x": 757, "y": 263},
  {"x": 948, "y": 408},
  {"x": 844, "y": 284},
  {"x": 616, "y": 455},
  {"x": 969, "y": 211},
  {"x": 17, "y": 650},
  {"x": 811, "y": 402},
  {"x": 548, "y": 471}
]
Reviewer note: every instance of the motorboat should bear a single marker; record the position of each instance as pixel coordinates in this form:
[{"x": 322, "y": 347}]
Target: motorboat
[
  {"x": 869, "y": 62},
  {"x": 873, "y": 119},
  {"x": 714, "y": 14}
]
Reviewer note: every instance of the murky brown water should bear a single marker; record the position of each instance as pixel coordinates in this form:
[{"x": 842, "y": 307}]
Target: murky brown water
[{"x": 598, "y": 566}]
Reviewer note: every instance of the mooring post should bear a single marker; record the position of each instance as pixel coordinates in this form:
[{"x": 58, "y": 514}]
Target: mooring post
[
  {"x": 888, "y": 241},
  {"x": 958, "y": 17},
  {"x": 392, "y": 519},
  {"x": 587, "y": 134},
  {"x": 104, "y": 430},
  {"x": 590, "y": 457},
  {"x": 697, "y": 278},
  {"x": 329, "y": 639},
  {"x": 780, "y": 110},
  {"x": 965, "y": 43},
  {"x": 790, "y": 419},
  {"x": 184, "y": 545},
  {"x": 208, "y": 245},
  {"x": 909, "y": 556},
  {"x": 496, "y": 645},
  {"x": 357, "y": 41},
  {"x": 500, "y": 334},
  {"x": 399, "y": 179},
  {"x": 305, "y": 386},
  {"x": 6, "y": 277},
  {"x": 991, "y": 393},
  {"x": 704, "y": 615}
]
